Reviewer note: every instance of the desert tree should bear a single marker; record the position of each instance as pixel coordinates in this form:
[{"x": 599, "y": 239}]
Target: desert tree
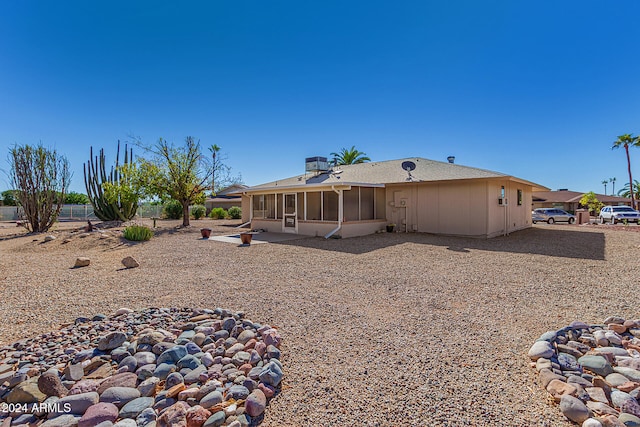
[
  {"x": 221, "y": 176},
  {"x": 625, "y": 141},
  {"x": 41, "y": 179},
  {"x": 591, "y": 202},
  {"x": 177, "y": 172},
  {"x": 349, "y": 156},
  {"x": 75, "y": 198},
  {"x": 9, "y": 198}
]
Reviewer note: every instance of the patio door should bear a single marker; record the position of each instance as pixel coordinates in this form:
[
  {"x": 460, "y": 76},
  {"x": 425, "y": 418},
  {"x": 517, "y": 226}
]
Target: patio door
[{"x": 289, "y": 218}]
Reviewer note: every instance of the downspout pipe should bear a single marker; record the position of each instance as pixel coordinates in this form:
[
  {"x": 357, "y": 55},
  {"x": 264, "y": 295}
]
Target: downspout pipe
[
  {"x": 250, "y": 211},
  {"x": 340, "y": 213}
]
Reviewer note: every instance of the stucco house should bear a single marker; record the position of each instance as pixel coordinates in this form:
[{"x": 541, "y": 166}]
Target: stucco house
[
  {"x": 570, "y": 200},
  {"x": 415, "y": 194}
]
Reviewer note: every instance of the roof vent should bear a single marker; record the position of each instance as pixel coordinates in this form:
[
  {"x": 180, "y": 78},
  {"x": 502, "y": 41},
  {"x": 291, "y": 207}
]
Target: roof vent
[
  {"x": 451, "y": 159},
  {"x": 316, "y": 164},
  {"x": 563, "y": 189}
]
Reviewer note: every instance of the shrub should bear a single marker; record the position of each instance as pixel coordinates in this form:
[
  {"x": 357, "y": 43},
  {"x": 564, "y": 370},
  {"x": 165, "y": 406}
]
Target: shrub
[
  {"x": 137, "y": 233},
  {"x": 198, "y": 211},
  {"x": 235, "y": 212},
  {"x": 172, "y": 209},
  {"x": 218, "y": 213}
]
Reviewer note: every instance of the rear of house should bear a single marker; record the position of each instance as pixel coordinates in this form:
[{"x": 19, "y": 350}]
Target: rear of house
[{"x": 415, "y": 194}]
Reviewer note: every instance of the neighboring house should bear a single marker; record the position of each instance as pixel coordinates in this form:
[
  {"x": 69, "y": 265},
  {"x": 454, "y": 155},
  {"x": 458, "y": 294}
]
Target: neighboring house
[
  {"x": 570, "y": 200},
  {"x": 416, "y": 194},
  {"x": 226, "y": 198}
]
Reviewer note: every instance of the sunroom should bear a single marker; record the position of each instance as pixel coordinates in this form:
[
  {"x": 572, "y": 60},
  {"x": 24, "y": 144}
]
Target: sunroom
[{"x": 345, "y": 209}]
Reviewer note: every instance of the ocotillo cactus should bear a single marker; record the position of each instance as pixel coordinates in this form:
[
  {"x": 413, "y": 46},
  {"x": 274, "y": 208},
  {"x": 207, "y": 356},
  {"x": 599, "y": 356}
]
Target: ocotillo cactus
[{"x": 94, "y": 178}]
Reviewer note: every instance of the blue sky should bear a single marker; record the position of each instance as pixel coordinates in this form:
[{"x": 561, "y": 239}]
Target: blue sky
[{"x": 538, "y": 89}]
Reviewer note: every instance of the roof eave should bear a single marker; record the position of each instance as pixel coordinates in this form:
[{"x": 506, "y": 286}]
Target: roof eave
[{"x": 305, "y": 187}]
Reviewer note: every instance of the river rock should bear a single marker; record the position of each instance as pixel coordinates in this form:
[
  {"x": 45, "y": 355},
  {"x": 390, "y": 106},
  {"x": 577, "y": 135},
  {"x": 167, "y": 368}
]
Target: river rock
[
  {"x": 615, "y": 379},
  {"x": 574, "y": 409},
  {"x": 119, "y": 396},
  {"x": 255, "y": 403},
  {"x": 211, "y": 399},
  {"x": 50, "y": 384},
  {"x": 596, "y": 364},
  {"x": 125, "y": 379},
  {"x": 26, "y": 392},
  {"x": 630, "y": 406},
  {"x": 111, "y": 340},
  {"x": 145, "y": 358},
  {"x": 541, "y": 349},
  {"x": 65, "y": 420},
  {"x": 237, "y": 392},
  {"x": 98, "y": 413},
  {"x": 173, "y": 379},
  {"x": 196, "y": 416},
  {"x": 215, "y": 420},
  {"x": 272, "y": 374},
  {"x": 146, "y": 417},
  {"x": 78, "y": 404},
  {"x": 618, "y": 397},
  {"x": 147, "y": 388},
  {"x": 134, "y": 407},
  {"x": 84, "y": 386},
  {"x": 174, "y": 416},
  {"x": 172, "y": 355},
  {"x": 616, "y": 351},
  {"x": 629, "y": 420},
  {"x": 189, "y": 361},
  {"x": 557, "y": 389},
  {"x": 74, "y": 372},
  {"x": 630, "y": 373}
]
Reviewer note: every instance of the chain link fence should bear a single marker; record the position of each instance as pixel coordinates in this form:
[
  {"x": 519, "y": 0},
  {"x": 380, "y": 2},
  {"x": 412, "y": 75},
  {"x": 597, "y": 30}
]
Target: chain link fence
[{"x": 78, "y": 212}]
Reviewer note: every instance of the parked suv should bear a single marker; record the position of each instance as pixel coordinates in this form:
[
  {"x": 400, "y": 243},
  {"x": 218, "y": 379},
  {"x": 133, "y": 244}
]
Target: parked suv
[
  {"x": 615, "y": 214},
  {"x": 551, "y": 215}
]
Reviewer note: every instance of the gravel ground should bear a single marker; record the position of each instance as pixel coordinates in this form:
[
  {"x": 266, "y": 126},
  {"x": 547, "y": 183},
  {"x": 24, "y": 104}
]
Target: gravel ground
[{"x": 387, "y": 329}]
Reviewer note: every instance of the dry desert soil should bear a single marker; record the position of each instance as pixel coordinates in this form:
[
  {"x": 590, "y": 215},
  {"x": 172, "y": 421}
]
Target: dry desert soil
[{"x": 382, "y": 330}]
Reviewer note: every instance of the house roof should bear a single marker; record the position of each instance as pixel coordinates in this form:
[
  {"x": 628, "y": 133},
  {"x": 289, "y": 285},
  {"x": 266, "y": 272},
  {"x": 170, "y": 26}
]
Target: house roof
[
  {"x": 232, "y": 189},
  {"x": 566, "y": 196},
  {"x": 388, "y": 172}
]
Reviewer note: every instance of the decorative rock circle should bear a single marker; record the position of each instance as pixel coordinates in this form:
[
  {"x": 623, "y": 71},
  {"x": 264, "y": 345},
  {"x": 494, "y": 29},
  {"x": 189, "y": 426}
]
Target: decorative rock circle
[
  {"x": 160, "y": 366},
  {"x": 592, "y": 371}
]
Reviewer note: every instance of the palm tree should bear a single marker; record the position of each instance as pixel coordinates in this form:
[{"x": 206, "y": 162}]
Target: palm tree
[
  {"x": 613, "y": 183},
  {"x": 214, "y": 150},
  {"x": 605, "y": 182},
  {"x": 625, "y": 141},
  {"x": 624, "y": 192},
  {"x": 349, "y": 157}
]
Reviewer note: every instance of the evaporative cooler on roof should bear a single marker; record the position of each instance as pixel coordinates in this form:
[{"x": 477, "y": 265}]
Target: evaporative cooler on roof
[{"x": 316, "y": 164}]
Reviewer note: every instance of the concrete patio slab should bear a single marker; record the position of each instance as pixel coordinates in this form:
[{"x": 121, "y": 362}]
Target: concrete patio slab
[{"x": 258, "y": 238}]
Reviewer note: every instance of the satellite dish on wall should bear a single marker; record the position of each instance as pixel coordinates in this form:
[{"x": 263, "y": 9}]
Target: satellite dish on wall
[{"x": 408, "y": 166}]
